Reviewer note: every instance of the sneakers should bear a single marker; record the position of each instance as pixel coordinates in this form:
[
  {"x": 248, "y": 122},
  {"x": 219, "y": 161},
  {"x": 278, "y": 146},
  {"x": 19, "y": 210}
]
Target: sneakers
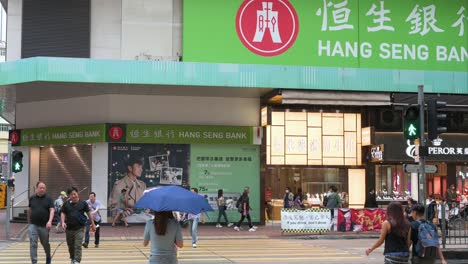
[
  {"x": 96, "y": 245},
  {"x": 194, "y": 245},
  {"x": 218, "y": 226},
  {"x": 85, "y": 245},
  {"x": 252, "y": 229},
  {"x": 236, "y": 228},
  {"x": 230, "y": 224},
  {"x": 48, "y": 260}
]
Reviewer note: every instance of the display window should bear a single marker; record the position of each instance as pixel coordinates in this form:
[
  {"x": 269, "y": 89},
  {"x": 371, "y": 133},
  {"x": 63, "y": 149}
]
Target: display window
[
  {"x": 392, "y": 183},
  {"x": 462, "y": 181}
]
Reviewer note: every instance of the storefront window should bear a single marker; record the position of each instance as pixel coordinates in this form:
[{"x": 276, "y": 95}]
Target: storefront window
[
  {"x": 313, "y": 181},
  {"x": 392, "y": 183},
  {"x": 462, "y": 181}
]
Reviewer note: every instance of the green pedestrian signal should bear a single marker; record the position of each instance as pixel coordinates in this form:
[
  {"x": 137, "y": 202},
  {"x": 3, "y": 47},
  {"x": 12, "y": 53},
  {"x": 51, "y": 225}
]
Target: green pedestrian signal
[
  {"x": 17, "y": 161},
  {"x": 411, "y": 118}
]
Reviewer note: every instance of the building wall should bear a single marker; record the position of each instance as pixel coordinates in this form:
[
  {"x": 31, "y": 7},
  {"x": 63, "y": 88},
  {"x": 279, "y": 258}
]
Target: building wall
[
  {"x": 154, "y": 109},
  {"x": 99, "y": 169},
  {"x": 106, "y": 29},
  {"x": 15, "y": 11},
  {"x": 120, "y": 29}
]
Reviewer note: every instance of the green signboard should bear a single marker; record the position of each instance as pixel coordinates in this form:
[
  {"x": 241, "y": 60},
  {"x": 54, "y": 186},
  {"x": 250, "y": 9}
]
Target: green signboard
[
  {"x": 396, "y": 34},
  {"x": 181, "y": 134},
  {"x": 135, "y": 133},
  {"x": 81, "y": 134},
  {"x": 227, "y": 167}
]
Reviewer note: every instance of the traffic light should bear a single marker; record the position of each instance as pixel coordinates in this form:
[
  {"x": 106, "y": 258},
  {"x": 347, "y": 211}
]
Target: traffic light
[
  {"x": 434, "y": 119},
  {"x": 17, "y": 161},
  {"x": 411, "y": 118}
]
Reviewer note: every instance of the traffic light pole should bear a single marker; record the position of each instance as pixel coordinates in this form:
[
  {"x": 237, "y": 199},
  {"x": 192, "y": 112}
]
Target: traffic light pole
[
  {"x": 422, "y": 144},
  {"x": 8, "y": 196}
]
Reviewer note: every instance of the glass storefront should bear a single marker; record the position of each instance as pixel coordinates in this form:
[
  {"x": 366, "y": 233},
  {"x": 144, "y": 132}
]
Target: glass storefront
[
  {"x": 313, "y": 181},
  {"x": 462, "y": 181},
  {"x": 392, "y": 183}
]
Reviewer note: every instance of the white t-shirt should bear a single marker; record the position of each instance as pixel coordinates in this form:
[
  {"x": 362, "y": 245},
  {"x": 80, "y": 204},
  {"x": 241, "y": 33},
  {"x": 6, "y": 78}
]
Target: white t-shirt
[{"x": 447, "y": 211}]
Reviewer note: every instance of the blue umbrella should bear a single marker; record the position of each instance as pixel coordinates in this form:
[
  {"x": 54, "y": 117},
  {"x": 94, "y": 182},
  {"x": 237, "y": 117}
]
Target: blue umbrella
[{"x": 173, "y": 198}]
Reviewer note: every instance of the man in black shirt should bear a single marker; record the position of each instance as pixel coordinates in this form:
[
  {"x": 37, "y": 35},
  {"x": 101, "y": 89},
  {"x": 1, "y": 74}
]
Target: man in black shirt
[
  {"x": 40, "y": 215},
  {"x": 73, "y": 222}
]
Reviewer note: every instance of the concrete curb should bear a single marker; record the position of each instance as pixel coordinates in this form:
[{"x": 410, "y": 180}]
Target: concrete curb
[{"x": 334, "y": 237}]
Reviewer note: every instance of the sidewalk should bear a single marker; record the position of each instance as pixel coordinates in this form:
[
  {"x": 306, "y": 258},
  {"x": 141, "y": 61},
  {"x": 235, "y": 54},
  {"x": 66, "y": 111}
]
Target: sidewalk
[{"x": 209, "y": 231}]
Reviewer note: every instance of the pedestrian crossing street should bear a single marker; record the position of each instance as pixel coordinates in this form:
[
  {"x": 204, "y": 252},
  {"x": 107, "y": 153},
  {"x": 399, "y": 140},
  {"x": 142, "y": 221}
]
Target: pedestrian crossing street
[{"x": 208, "y": 251}]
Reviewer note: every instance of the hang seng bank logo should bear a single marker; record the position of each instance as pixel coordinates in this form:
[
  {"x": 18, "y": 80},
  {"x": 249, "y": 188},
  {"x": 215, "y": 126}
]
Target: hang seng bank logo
[{"x": 267, "y": 28}]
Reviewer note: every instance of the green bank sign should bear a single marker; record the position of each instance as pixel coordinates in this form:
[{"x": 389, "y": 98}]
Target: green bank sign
[
  {"x": 177, "y": 134},
  {"x": 81, "y": 134},
  {"x": 136, "y": 133},
  {"x": 397, "y": 34}
]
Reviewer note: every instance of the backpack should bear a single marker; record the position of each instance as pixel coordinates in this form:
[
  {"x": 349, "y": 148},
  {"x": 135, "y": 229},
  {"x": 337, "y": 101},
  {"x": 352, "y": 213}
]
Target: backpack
[
  {"x": 428, "y": 240},
  {"x": 333, "y": 201},
  {"x": 325, "y": 200},
  {"x": 239, "y": 204}
]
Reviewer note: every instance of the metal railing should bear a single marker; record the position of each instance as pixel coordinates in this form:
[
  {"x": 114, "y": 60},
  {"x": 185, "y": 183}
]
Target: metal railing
[{"x": 455, "y": 230}]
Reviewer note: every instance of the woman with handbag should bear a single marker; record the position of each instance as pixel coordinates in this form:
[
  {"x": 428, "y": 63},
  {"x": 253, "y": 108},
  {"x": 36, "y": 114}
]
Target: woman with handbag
[{"x": 222, "y": 209}]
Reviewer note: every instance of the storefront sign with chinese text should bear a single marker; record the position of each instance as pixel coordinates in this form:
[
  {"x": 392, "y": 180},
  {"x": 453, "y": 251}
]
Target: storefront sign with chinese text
[{"x": 398, "y": 34}]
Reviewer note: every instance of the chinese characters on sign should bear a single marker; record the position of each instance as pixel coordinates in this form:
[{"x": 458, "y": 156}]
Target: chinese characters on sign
[
  {"x": 309, "y": 220},
  {"x": 422, "y": 20}
]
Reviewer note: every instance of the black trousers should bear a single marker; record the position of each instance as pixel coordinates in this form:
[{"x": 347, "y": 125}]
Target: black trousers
[{"x": 242, "y": 219}]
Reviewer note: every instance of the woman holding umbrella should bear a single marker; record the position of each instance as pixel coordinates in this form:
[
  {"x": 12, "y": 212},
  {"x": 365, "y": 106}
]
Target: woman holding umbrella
[{"x": 165, "y": 235}]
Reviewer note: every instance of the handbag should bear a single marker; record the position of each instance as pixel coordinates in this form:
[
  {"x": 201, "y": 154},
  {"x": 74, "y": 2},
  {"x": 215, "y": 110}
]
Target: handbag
[{"x": 184, "y": 221}]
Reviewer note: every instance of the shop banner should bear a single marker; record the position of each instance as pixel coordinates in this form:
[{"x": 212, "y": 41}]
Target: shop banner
[
  {"x": 359, "y": 220},
  {"x": 397, "y": 34},
  {"x": 303, "y": 221},
  {"x": 230, "y": 168},
  {"x": 136, "y": 133},
  {"x": 182, "y": 134},
  {"x": 80, "y": 134},
  {"x": 149, "y": 165},
  {"x": 449, "y": 147}
]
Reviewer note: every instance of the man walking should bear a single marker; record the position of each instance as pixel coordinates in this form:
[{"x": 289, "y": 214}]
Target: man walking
[
  {"x": 94, "y": 206},
  {"x": 193, "y": 220},
  {"x": 58, "y": 208},
  {"x": 73, "y": 222},
  {"x": 40, "y": 215}
]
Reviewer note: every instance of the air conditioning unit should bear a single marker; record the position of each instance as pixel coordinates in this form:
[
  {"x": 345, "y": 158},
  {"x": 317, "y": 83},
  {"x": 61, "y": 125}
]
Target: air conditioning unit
[{"x": 388, "y": 120}]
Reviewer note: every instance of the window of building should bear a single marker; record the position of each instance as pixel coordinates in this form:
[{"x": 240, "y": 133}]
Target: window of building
[{"x": 392, "y": 183}]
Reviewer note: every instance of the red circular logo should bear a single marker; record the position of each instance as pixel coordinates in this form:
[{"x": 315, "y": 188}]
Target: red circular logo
[
  {"x": 115, "y": 132},
  {"x": 267, "y": 27},
  {"x": 14, "y": 137}
]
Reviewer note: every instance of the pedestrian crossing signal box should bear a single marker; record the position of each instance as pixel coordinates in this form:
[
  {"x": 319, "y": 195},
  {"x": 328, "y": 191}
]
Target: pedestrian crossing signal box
[
  {"x": 17, "y": 161},
  {"x": 411, "y": 122}
]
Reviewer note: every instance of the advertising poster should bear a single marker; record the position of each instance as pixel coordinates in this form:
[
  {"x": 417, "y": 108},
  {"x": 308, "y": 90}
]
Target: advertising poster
[
  {"x": 137, "y": 167},
  {"x": 358, "y": 220},
  {"x": 227, "y": 167}
]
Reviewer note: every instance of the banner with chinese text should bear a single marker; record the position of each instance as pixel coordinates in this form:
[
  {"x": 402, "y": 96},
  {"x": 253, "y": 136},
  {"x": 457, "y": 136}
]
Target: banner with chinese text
[
  {"x": 142, "y": 133},
  {"x": 230, "y": 168},
  {"x": 396, "y": 34},
  {"x": 310, "y": 220}
]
